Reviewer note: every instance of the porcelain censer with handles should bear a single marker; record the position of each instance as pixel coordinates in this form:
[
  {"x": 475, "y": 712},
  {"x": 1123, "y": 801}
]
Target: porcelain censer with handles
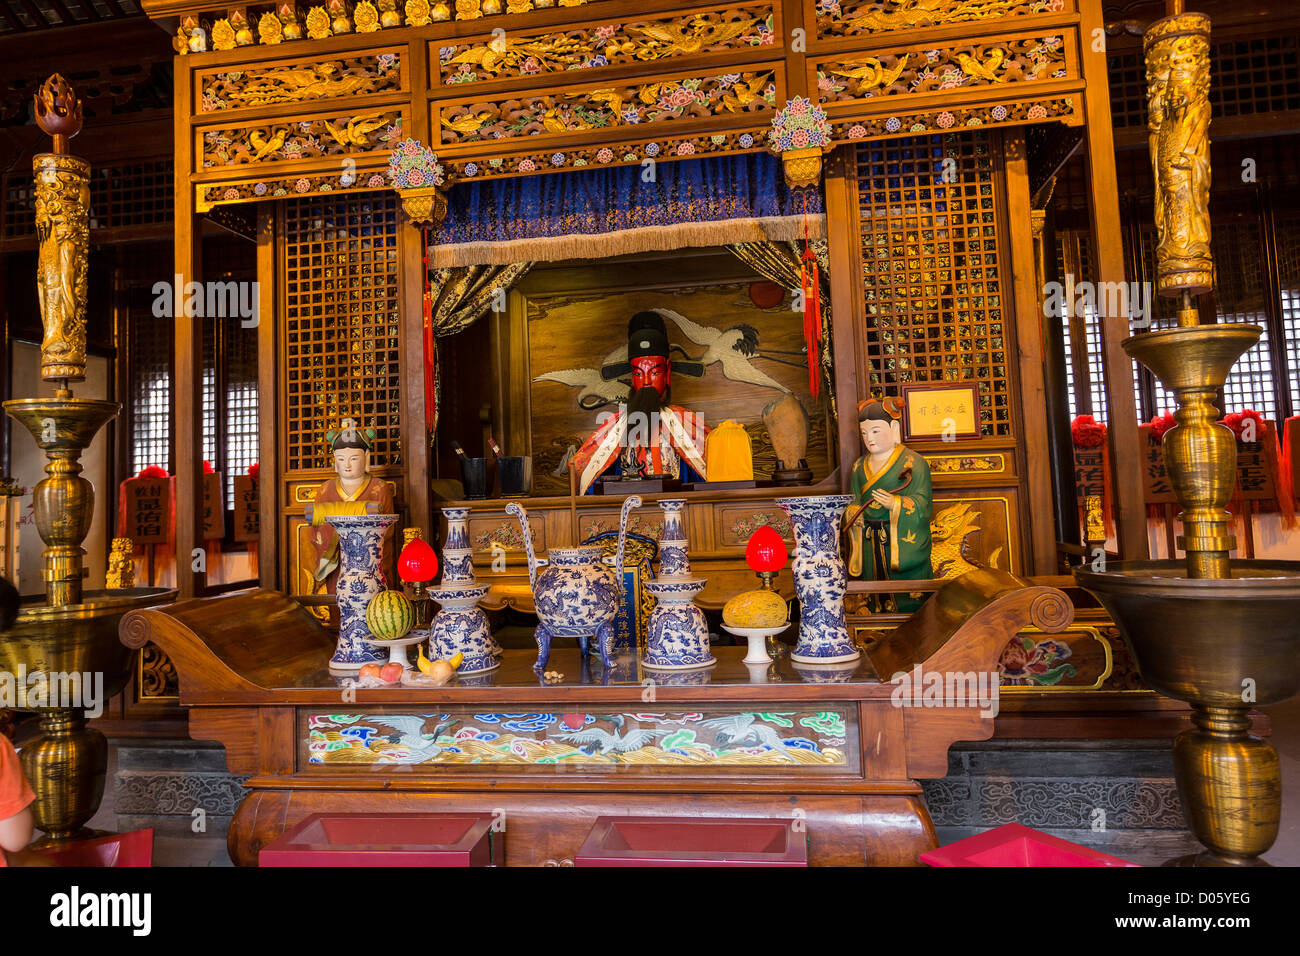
[{"x": 575, "y": 593}]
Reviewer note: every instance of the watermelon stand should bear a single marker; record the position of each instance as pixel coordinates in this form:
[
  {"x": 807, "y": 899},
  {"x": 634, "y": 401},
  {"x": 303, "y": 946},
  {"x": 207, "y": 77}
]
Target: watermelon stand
[{"x": 397, "y": 647}]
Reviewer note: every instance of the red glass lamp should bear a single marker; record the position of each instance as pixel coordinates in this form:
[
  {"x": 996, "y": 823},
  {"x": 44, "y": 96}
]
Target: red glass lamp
[
  {"x": 766, "y": 553},
  {"x": 417, "y": 564}
]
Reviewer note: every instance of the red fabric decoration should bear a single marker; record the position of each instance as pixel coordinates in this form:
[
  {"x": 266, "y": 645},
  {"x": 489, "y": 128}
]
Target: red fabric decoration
[
  {"x": 810, "y": 281},
  {"x": 207, "y": 468},
  {"x": 1161, "y": 424},
  {"x": 254, "y": 470},
  {"x": 1237, "y": 422},
  {"x": 153, "y": 471},
  {"x": 1086, "y": 432}
]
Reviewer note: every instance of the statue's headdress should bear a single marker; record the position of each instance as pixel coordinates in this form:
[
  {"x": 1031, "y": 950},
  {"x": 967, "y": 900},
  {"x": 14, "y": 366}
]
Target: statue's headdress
[
  {"x": 884, "y": 409},
  {"x": 350, "y": 436}
]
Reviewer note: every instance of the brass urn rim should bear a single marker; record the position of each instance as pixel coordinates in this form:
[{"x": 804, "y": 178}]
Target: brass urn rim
[{"x": 1192, "y": 356}]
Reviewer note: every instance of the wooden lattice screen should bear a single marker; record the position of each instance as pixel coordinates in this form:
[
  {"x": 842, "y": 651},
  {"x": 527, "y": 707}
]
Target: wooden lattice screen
[
  {"x": 1255, "y": 75},
  {"x": 341, "y": 332},
  {"x": 931, "y": 268},
  {"x": 129, "y": 194},
  {"x": 1288, "y": 267}
]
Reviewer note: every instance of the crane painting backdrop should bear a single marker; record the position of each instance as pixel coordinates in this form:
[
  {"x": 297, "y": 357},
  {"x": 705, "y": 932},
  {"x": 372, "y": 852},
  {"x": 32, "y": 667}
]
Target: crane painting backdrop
[{"x": 752, "y": 356}]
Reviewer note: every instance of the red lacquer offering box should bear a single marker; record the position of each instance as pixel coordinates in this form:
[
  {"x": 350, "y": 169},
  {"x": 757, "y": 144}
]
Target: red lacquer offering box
[
  {"x": 384, "y": 839},
  {"x": 1014, "y": 845},
  {"x": 683, "y": 841}
]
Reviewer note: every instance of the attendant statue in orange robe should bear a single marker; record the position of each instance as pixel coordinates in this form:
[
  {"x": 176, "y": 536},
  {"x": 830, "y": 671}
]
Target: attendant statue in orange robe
[{"x": 353, "y": 485}]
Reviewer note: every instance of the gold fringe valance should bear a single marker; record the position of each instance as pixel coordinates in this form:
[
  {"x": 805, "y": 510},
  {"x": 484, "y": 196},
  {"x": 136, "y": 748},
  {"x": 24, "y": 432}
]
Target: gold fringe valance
[{"x": 626, "y": 241}]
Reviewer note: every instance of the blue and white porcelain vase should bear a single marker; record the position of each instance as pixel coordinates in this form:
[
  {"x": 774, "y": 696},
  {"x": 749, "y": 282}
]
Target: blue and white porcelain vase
[
  {"x": 677, "y": 635},
  {"x": 820, "y": 579},
  {"x": 361, "y": 577},
  {"x": 576, "y": 593},
  {"x": 674, "y": 550},
  {"x": 457, "y": 555},
  {"x": 460, "y": 626}
]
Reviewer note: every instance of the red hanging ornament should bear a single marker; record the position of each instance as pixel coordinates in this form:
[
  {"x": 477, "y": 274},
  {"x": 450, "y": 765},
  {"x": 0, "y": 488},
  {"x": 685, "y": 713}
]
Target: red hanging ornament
[
  {"x": 430, "y": 348},
  {"x": 810, "y": 286}
]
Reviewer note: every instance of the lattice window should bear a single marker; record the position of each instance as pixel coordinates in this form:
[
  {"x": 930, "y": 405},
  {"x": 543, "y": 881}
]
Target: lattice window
[
  {"x": 241, "y": 405},
  {"x": 1255, "y": 75},
  {"x": 1164, "y": 314},
  {"x": 132, "y": 194},
  {"x": 931, "y": 267},
  {"x": 151, "y": 389},
  {"x": 209, "y": 392},
  {"x": 1240, "y": 297},
  {"x": 342, "y": 331},
  {"x": 1288, "y": 258}
]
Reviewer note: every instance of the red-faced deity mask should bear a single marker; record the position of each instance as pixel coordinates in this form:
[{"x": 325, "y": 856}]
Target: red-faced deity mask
[{"x": 650, "y": 371}]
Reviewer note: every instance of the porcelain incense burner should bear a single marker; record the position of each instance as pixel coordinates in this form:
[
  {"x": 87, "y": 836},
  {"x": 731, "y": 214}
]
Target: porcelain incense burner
[{"x": 575, "y": 593}]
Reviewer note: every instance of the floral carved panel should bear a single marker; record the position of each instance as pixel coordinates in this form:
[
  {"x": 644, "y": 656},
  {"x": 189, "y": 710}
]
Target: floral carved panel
[
  {"x": 299, "y": 82},
  {"x": 624, "y": 105},
  {"x": 277, "y": 141},
  {"x": 847, "y": 18},
  {"x": 919, "y": 71},
  {"x": 609, "y": 44}
]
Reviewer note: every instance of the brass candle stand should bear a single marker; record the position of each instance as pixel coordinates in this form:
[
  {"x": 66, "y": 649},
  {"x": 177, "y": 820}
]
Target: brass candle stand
[
  {"x": 1222, "y": 635},
  {"x": 66, "y": 631}
]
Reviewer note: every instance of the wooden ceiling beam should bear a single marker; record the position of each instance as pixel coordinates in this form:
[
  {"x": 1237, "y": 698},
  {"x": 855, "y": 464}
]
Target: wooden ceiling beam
[
  {"x": 38, "y": 18},
  {"x": 62, "y": 9},
  {"x": 91, "y": 13},
  {"x": 14, "y": 19}
]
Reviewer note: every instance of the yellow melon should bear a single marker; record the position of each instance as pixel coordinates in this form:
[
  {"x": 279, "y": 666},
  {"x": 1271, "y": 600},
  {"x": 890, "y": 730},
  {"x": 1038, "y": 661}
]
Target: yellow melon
[{"x": 760, "y": 608}]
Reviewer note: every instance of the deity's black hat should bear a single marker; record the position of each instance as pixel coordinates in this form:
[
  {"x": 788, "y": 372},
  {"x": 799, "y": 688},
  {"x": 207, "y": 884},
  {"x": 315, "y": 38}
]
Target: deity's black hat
[{"x": 648, "y": 336}]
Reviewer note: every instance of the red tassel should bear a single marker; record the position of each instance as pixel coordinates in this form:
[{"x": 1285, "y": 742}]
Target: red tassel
[
  {"x": 810, "y": 283},
  {"x": 430, "y": 348}
]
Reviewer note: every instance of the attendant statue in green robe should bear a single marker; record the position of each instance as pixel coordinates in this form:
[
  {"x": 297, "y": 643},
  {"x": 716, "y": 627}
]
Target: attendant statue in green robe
[{"x": 888, "y": 527}]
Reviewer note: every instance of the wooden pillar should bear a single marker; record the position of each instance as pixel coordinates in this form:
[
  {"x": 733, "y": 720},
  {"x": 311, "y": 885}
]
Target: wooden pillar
[
  {"x": 411, "y": 252},
  {"x": 270, "y": 522},
  {"x": 1125, "y": 457},
  {"x": 187, "y": 383},
  {"x": 848, "y": 322},
  {"x": 1028, "y": 311}
]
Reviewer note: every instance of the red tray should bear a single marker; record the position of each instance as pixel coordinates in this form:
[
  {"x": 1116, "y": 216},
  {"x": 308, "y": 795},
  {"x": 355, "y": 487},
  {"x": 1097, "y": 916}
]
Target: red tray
[
  {"x": 692, "y": 841},
  {"x": 115, "y": 849},
  {"x": 384, "y": 839},
  {"x": 1014, "y": 845}
]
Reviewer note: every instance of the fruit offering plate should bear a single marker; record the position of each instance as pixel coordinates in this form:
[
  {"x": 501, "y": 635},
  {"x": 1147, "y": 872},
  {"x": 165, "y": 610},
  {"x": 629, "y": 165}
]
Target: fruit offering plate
[
  {"x": 397, "y": 648},
  {"x": 757, "y": 637}
]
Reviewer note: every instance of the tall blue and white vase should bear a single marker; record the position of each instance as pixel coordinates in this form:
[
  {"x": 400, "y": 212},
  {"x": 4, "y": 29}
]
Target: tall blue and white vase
[
  {"x": 820, "y": 579},
  {"x": 361, "y": 577},
  {"x": 457, "y": 555},
  {"x": 677, "y": 635},
  {"x": 460, "y": 626},
  {"x": 674, "y": 550}
]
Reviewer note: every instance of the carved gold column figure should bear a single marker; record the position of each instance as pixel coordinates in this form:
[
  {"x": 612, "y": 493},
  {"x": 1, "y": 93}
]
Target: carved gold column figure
[
  {"x": 63, "y": 234},
  {"x": 1225, "y": 637},
  {"x": 1178, "y": 108}
]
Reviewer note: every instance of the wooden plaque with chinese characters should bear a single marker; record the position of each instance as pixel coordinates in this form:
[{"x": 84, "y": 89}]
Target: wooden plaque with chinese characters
[
  {"x": 214, "y": 510},
  {"x": 148, "y": 509},
  {"x": 1254, "y": 476},
  {"x": 1155, "y": 483},
  {"x": 944, "y": 411},
  {"x": 247, "y": 518}
]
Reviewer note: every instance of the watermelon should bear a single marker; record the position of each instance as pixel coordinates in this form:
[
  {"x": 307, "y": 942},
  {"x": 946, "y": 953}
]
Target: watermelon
[{"x": 390, "y": 616}]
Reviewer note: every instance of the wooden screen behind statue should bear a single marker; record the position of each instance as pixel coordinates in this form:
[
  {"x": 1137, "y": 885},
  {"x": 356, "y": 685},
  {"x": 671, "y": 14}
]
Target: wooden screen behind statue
[{"x": 752, "y": 357}]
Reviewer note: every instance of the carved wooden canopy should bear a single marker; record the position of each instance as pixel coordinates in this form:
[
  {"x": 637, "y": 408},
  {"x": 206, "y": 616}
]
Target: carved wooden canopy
[{"x": 296, "y": 100}]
